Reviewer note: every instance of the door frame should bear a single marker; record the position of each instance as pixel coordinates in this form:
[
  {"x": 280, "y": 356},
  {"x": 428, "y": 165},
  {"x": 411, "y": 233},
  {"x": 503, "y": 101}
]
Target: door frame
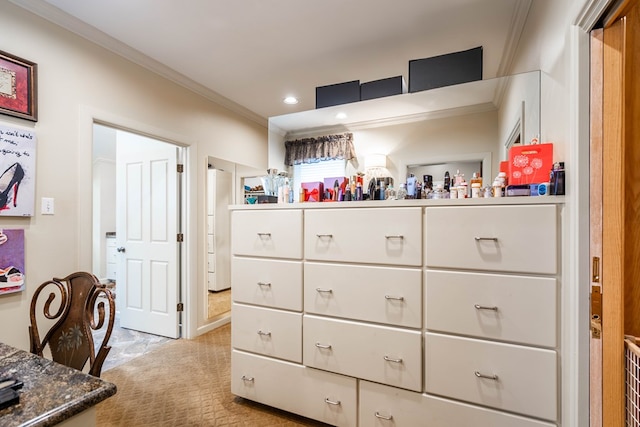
[{"x": 89, "y": 116}]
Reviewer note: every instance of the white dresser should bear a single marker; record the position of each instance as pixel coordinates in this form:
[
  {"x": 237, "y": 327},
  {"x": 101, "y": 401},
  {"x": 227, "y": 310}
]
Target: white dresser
[{"x": 399, "y": 314}]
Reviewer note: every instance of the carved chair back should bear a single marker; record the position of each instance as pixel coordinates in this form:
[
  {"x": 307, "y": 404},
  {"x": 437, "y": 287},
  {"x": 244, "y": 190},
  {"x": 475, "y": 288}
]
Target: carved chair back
[{"x": 71, "y": 338}]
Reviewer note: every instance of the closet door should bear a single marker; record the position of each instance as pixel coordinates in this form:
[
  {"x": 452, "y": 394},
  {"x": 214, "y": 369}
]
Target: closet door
[{"x": 620, "y": 279}]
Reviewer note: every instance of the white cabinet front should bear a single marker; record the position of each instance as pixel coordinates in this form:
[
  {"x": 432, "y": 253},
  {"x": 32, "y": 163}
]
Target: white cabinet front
[
  {"x": 270, "y": 332},
  {"x": 383, "y": 354},
  {"x": 323, "y": 396},
  {"x": 381, "y": 406},
  {"x": 276, "y": 233},
  {"x": 267, "y": 282},
  {"x": 500, "y": 238},
  {"x": 519, "y": 309},
  {"x": 503, "y": 376},
  {"x": 374, "y": 294},
  {"x": 382, "y": 236}
]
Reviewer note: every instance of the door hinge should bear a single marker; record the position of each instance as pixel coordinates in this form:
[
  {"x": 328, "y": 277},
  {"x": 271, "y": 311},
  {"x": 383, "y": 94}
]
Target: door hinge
[
  {"x": 180, "y": 307},
  {"x": 595, "y": 269},
  {"x": 180, "y": 167},
  {"x": 596, "y": 312},
  {"x": 180, "y": 237}
]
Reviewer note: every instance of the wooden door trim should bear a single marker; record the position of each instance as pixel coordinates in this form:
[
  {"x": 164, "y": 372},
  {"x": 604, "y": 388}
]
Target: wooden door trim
[{"x": 613, "y": 403}]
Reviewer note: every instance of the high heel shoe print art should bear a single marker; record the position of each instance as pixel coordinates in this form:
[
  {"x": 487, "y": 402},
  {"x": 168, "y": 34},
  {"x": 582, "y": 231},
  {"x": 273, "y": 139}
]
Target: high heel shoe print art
[{"x": 9, "y": 182}]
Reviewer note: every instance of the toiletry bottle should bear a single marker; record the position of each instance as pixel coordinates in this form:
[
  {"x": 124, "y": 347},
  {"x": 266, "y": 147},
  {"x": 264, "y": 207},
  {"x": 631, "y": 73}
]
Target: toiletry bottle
[
  {"x": 301, "y": 195},
  {"x": 359, "y": 191},
  {"x": 336, "y": 188},
  {"x": 476, "y": 179},
  {"x": 347, "y": 192},
  {"x": 353, "y": 187},
  {"x": 447, "y": 181},
  {"x": 411, "y": 186},
  {"x": 556, "y": 179},
  {"x": 401, "y": 194}
]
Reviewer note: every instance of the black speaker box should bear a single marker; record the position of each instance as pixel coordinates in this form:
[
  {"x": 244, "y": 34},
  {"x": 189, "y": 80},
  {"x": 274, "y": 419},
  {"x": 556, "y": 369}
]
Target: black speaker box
[
  {"x": 336, "y": 94},
  {"x": 384, "y": 87},
  {"x": 445, "y": 70}
]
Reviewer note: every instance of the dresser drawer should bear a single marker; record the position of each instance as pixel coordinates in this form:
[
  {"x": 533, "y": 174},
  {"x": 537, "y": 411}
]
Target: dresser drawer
[
  {"x": 267, "y": 282},
  {"x": 266, "y": 331},
  {"x": 500, "y": 238},
  {"x": 378, "y": 353},
  {"x": 315, "y": 394},
  {"x": 381, "y": 405},
  {"x": 375, "y": 294},
  {"x": 503, "y": 376},
  {"x": 272, "y": 233},
  {"x": 375, "y": 236},
  {"x": 211, "y": 263},
  {"x": 519, "y": 309}
]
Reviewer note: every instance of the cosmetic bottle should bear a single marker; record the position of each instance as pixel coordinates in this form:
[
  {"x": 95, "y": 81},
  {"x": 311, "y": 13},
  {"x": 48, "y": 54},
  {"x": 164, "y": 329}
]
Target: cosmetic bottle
[
  {"x": 358, "y": 191},
  {"x": 556, "y": 179},
  {"x": 411, "y": 187},
  {"x": 447, "y": 181},
  {"x": 401, "y": 194}
]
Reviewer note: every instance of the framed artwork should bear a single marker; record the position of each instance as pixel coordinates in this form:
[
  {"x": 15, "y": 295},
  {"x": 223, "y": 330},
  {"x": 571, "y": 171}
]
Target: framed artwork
[
  {"x": 17, "y": 171},
  {"x": 11, "y": 261},
  {"x": 18, "y": 87}
]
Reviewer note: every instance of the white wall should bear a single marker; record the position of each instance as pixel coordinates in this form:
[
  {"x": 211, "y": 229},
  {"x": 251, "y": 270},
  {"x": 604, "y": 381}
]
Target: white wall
[{"x": 77, "y": 82}]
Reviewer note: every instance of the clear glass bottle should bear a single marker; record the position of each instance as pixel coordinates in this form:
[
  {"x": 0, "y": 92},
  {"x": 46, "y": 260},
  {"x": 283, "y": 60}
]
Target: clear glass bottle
[
  {"x": 401, "y": 194},
  {"x": 390, "y": 193}
]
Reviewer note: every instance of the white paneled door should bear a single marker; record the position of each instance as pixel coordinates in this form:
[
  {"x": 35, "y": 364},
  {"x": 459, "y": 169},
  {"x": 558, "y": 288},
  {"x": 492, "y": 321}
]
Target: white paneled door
[{"x": 146, "y": 232}]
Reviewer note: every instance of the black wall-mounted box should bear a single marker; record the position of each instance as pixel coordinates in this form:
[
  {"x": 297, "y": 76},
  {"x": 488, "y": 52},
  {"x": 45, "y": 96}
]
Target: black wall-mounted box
[
  {"x": 336, "y": 94},
  {"x": 445, "y": 70},
  {"x": 383, "y": 87}
]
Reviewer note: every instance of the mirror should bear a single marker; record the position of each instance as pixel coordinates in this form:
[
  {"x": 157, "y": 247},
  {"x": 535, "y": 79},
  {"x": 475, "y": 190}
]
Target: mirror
[
  {"x": 476, "y": 121},
  {"x": 224, "y": 187}
]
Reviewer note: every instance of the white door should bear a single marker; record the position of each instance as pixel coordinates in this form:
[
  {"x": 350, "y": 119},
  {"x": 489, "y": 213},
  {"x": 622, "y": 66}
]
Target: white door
[{"x": 146, "y": 232}]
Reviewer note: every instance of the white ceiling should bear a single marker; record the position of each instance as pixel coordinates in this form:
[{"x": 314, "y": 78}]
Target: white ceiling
[{"x": 250, "y": 54}]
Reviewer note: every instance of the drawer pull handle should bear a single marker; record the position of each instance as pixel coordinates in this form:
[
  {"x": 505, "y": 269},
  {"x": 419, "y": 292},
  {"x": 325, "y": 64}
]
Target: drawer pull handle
[
  {"x": 394, "y": 298},
  {"x": 323, "y": 346},
  {"x": 331, "y": 402},
  {"x": 383, "y": 417},
  {"x": 493, "y": 377},
  {"x": 265, "y": 284},
  {"x": 327, "y": 291},
  {"x": 390, "y": 359},
  {"x": 248, "y": 379},
  {"x": 492, "y": 239},
  {"x": 264, "y": 334},
  {"x": 484, "y": 307},
  {"x": 320, "y": 236},
  {"x": 264, "y": 234},
  {"x": 394, "y": 236}
]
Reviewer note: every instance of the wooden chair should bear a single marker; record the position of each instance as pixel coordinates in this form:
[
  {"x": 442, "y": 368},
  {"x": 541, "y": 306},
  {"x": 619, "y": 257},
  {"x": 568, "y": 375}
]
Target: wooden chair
[{"x": 71, "y": 339}]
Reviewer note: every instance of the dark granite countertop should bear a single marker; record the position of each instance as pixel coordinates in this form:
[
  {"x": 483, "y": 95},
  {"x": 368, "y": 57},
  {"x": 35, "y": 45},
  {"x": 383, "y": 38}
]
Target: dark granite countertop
[{"x": 51, "y": 393}]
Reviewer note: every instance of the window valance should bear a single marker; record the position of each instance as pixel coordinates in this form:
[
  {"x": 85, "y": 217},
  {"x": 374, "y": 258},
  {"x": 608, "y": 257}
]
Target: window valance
[{"x": 311, "y": 150}]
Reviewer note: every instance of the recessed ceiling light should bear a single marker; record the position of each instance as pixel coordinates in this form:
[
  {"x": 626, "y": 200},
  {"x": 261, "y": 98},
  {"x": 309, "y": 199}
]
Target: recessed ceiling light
[
  {"x": 341, "y": 116},
  {"x": 290, "y": 100}
]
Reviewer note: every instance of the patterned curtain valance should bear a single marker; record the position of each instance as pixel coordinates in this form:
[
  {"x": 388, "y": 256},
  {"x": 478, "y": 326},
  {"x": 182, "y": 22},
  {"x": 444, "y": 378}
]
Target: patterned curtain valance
[{"x": 311, "y": 150}]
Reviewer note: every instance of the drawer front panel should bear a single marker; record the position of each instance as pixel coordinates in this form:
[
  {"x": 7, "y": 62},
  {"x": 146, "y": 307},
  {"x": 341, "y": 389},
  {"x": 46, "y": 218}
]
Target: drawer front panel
[
  {"x": 315, "y": 394},
  {"x": 386, "y": 236},
  {"x": 270, "y": 332},
  {"x": 267, "y": 282},
  {"x": 381, "y": 405},
  {"x": 375, "y": 294},
  {"x": 508, "y": 308},
  {"x": 500, "y": 238},
  {"x": 276, "y": 233},
  {"x": 378, "y": 353},
  {"x": 502, "y": 376}
]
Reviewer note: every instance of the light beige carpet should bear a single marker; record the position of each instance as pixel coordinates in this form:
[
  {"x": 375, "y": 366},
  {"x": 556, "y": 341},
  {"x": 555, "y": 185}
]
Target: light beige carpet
[{"x": 185, "y": 383}]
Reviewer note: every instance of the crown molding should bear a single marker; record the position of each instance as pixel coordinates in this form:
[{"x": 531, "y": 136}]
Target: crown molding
[
  {"x": 92, "y": 34},
  {"x": 518, "y": 21}
]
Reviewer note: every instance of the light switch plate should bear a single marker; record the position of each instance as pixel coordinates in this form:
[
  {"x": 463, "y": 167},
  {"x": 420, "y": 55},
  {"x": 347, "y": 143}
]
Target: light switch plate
[{"x": 47, "y": 206}]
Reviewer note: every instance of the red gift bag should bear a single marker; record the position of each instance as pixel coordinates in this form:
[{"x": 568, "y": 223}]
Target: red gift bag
[{"x": 530, "y": 164}]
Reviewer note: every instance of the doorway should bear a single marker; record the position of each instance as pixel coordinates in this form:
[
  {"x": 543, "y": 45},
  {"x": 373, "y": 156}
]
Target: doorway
[{"x": 149, "y": 256}]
